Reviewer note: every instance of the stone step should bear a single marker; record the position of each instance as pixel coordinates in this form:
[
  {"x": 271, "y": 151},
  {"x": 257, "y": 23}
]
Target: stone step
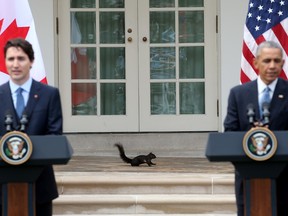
[
  {"x": 222, "y": 214},
  {"x": 143, "y": 183},
  {"x": 133, "y": 193},
  {"x": 145, "y": 204}
]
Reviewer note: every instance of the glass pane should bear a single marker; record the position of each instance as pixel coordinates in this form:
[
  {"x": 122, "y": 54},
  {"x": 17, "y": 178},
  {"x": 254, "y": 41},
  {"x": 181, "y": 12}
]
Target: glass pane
[
  {"x": 82, "y": 3},
  {"x": 83, "y": 27},
  {"x": 163, "y": 98},
  {"x": 161, "y": 3},
  {"x": 112, "y": 27},
  {"x": 191, "y": 3},
  {"x": 162, "y": 27},
  {"x": 191, "y": 62},
  {"x": 162, "y": 63},
  {"x": 112, "y": 63},
  {"x": 84, "y": 101},
  {"x": 113, "y": 99},
  {"x": 191, "y": 26},
  {"x": 192, "y": 97},
  {"x": 111, "y": 3},
  {"x": 83, "y": 63}
]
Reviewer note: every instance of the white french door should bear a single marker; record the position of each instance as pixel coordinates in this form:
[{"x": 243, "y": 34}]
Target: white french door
[{"x": 138, "y": 65}]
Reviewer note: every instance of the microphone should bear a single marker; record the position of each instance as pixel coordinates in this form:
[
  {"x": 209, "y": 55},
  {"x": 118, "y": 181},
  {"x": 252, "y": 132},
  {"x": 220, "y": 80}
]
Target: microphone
[
  {"x": 23, "y": 121},
  {"x": 266, "y": 113},
  {"x": 8, "y": 121},
  {"x": 250, "y": 113}
]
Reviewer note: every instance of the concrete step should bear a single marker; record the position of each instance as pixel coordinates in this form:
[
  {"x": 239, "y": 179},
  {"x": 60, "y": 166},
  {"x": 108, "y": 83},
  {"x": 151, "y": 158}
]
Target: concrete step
[
  {"x": 145, "y": 204},
  {"x": 144, "y": 193},
  {"x": 143, "y": 183},
  {"x": 147, "y": 214}
]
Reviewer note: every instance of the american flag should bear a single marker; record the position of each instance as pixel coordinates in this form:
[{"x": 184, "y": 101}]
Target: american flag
[{"x": 266, "y": 20}]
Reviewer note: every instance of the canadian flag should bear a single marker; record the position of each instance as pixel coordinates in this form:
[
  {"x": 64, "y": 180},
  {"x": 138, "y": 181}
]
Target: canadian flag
[{"x": 16, "y": 20}]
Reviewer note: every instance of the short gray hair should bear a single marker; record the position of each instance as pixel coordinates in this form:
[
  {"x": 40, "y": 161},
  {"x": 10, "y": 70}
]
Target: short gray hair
[{"x": 268, "y": 44}]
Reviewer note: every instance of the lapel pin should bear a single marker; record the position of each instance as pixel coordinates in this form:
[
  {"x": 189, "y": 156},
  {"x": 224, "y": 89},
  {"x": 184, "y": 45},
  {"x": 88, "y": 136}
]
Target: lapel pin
[
  {"x": 35, "y": 96},
  {"x": 280, "y": 96}
]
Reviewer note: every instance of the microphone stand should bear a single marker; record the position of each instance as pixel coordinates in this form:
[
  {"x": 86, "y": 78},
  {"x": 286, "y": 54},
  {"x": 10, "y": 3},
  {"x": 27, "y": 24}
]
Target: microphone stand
[
  {"x": 8, "y": 122},
  {"x": 23, "y": 122}
]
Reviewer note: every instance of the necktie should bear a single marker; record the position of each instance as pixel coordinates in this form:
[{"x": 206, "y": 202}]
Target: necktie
[
  {"x": 20, "y": 102},
  {"x": 265, "y": 98}
]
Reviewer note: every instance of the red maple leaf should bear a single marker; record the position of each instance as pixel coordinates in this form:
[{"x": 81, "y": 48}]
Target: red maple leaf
[{"x": 12, "y": 31}]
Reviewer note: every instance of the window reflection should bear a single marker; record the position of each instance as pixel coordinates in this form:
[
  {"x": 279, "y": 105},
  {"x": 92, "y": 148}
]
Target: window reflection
[
  {"x": 84, "y": 100},
  {"x": 112, "y": 27},
  {"x": 191, "y": 26},
  {"x": 112, "y": 64},
  {"x": 162, "y": 63},
  {"x": 192, "y": 97},
  {"x": 191, "y": 62},
  {"x": 111, "y": 3},
  {"x": 113, "y": 99},
  {"x": 162, "y": 27},
  {"x": 163, "y": 98},
  {"x": 83, "y": 27}
]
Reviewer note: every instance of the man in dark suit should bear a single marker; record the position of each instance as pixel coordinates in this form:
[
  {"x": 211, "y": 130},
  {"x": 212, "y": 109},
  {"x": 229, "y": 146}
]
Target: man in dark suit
[
  {"x": 269, "y": 62},
  {"x": 42, "y": 107}
]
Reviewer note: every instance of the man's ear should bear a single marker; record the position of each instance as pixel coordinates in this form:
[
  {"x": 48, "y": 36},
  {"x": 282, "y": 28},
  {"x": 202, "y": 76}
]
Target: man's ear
[{"x": 255, "y": 63}]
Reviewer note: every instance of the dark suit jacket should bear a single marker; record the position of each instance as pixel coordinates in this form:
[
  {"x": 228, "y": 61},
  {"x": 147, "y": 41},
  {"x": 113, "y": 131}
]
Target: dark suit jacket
[
  {"x": 242, "y": 95},
  {"x": 237, "y": 120},
  {"x": 44, "y": 117}
]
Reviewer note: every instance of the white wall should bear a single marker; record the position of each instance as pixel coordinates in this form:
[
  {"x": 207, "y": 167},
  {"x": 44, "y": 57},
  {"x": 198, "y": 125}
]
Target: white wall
[
  {"x": 42, "y": 11},
  {"x": 232, "y": 20}
]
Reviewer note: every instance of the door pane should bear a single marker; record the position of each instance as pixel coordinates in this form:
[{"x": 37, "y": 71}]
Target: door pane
[
  {"x": 83, "y": 27},
  {"x": 82, "y": 3},
  {"x": 111, "y": 3},
  {"x": 191, "y": 26},
  {"x": 192, "y": 98},
  {"x": 84, "y": 99},
  {"x": 113, "y": 99},
  {"x": 162, "y": 63},
  {"x": 191, "y": 62},
  {"x": 163, "y": 98},
  {"x": 83, "y": 63},
  {"x": 112, "y": 63},
  {"x": 161, "y": 3},
  {"x": 162, "y": 27},
  {"x": 191, "y": 3},
  {"x": 112, "y": 25}
]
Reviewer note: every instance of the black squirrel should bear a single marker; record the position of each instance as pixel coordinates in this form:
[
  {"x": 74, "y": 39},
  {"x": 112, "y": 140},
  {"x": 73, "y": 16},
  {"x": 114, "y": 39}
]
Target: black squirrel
[{"x": 136, "y": 161}]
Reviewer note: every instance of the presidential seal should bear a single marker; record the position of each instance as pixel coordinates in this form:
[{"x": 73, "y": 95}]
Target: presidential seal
[
  {"x": 260, "y": 143},
  {"x": 15, "y": 148}
]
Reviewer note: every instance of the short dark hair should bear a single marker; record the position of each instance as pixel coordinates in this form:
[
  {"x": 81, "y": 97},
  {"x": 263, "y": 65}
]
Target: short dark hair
[
  {"x": 23, "y": 44},
  {"x": 268, "y": 44}
]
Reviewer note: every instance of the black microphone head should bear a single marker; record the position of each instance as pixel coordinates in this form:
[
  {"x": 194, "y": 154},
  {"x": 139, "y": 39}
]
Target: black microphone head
[
  {"x": 265, "y": 105},
  {"x": 250, "y": 106},
  {"x": 8, "y": 113}
]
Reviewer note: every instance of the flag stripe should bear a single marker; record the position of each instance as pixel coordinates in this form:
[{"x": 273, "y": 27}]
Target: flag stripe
[{"x": 266, "y": 20}]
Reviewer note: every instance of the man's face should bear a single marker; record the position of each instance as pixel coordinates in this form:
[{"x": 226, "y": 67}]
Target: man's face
[
  {"x": 269, "y": 64},
  {"x": 18, "y": 65}
]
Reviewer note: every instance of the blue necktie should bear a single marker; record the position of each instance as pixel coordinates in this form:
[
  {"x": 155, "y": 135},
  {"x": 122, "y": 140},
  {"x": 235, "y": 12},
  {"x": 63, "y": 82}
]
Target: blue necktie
[
  {"x": 265, "y": 98},
  {"x": 20, "y": 102}
]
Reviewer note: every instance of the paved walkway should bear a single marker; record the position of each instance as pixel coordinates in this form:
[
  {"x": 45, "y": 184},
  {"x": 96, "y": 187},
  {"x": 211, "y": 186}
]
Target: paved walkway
[{"x": 163, "y": 164}]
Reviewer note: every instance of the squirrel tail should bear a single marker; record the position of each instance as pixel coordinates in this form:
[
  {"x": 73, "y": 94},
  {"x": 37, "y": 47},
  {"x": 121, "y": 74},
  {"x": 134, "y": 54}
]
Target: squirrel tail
[{"x": 122, "y": 153}]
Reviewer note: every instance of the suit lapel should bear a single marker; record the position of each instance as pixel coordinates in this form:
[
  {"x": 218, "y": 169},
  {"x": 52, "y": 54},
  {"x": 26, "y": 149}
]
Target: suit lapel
[
  {"x": 33, "y": 97},
  {"x": 8, "y": 106}
]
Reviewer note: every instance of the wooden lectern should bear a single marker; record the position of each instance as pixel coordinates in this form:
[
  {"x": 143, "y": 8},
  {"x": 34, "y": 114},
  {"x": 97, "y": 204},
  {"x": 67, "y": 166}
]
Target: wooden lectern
[
  {"x": 260, "y": 176},
  {"x": 18, "y": 180}
]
